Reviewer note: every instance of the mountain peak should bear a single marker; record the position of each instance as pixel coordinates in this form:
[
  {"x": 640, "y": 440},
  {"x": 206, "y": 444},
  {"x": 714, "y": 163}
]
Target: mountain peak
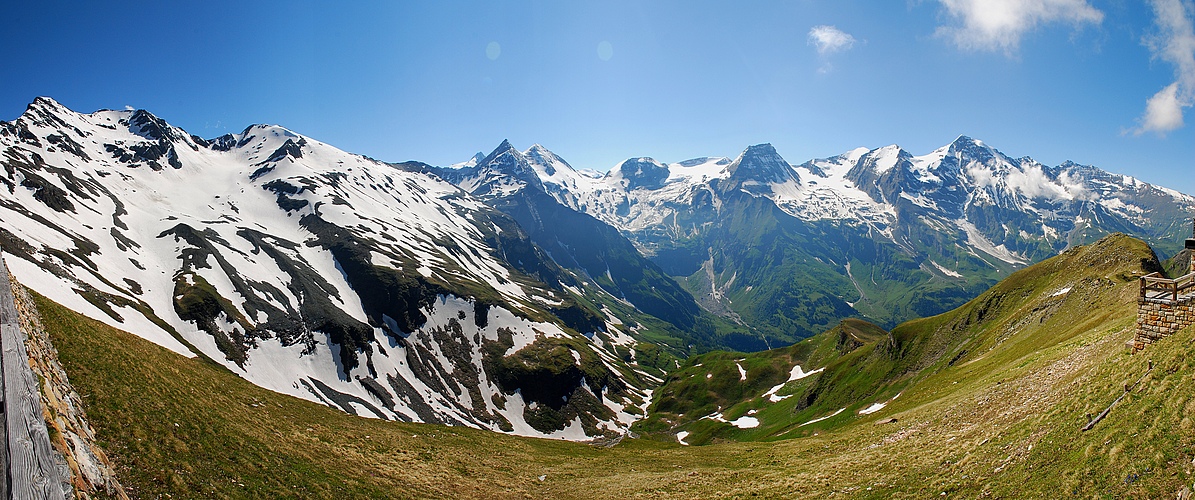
[
  {"x": 761, "y": 163},
  {"x": 545, "y": 159},
  {"x": 539, "y": 152},
  {"x": 145, "y": 124},
  {"x": 46, "y": 112},
  {"x": 640, "y": 172},
  {"x": 762, "y": 148},
  {"x": 506, "y": 160},
  {"x": 476, "y": 159},
  {"x": 972, "y": 149},
  {"x": 964, "y": 140},
  {"x": 502, "y": 149},
  {"x": 760, "y": 154},
  {"x": 45, "y": 102}
]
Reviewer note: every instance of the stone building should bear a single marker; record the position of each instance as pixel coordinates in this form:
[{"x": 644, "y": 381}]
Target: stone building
[{"x": 1165, "y": 306}]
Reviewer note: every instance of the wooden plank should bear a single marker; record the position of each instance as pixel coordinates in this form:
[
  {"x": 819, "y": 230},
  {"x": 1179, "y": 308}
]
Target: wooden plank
[
  {"x": 32, "y": 471},
  {"x": 8, "y": 307},
  {"x": 8, "y": 319},
  {"x": 1155, "y": 288},
  {"x": 1127, "y": 389}
]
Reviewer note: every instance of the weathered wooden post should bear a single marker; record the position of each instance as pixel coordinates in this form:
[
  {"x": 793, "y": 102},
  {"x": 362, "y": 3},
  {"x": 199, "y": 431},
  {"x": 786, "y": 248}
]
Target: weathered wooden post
[{"x": 1191, "y": 246}]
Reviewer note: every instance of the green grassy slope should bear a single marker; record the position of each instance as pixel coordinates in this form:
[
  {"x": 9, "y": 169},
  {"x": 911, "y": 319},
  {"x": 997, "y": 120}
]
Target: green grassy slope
[
  {"x": 712, "y": 383},
  {"x": 1033, "y": 309},
  {"x": 1178, "y": 265},
  {"x": 993, "y": 396}
]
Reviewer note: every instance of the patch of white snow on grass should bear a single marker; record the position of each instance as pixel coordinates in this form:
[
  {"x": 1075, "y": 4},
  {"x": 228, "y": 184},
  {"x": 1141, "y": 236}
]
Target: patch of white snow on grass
[
  {"x": 1064, "y": 291},
  {"x": 742, "y": 372},
  {"x": 361, "y": 410},
  {"x": 680, "y": 436},
  {"x": 873, "y": 408},
  {"x": 945, "y": 271},
  {"x": 574, "y": 431},
  {"x": 819, "y": 419},
  {"x": 796, "y": 374},
  {"x": 745, "y": 422}
]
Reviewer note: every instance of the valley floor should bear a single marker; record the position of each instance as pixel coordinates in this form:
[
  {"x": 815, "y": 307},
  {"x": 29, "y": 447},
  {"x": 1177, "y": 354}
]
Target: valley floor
[{"x": 180, "y": 427}]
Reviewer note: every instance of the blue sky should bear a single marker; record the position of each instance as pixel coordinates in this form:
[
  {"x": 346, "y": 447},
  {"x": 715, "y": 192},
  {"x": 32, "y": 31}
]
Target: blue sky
[{"x": 1102, "y": 82}]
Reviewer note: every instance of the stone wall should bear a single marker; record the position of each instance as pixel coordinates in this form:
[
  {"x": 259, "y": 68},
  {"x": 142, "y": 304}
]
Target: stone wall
[
  {"x": 1157, "y": 319},
  {"x": 91, "y": 472}
]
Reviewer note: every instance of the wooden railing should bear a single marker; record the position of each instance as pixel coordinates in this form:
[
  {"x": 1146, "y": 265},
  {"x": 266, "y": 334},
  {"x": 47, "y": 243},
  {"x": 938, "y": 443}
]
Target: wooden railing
[
  {"x": 1155, "y": 286},
  {"x": 28, "y": 459}
]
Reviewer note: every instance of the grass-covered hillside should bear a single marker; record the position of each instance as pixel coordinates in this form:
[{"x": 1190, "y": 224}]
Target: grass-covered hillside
[
  {"x": 863, "y": 367},
  {"x": 705, "y": 397},
  {"x": 992, "y": 399},
  {"x": 1179, "y": 264}
]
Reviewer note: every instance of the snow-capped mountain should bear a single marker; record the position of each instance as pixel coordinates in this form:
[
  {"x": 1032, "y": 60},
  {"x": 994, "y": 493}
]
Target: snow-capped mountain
[
  {"x": 310, "y": 271},
  {"x": 870, "y": 186},
  {"x": 512, "y": 291},
  {"x": 882, "y": 234},
  {"x": 528, "y": 186}
]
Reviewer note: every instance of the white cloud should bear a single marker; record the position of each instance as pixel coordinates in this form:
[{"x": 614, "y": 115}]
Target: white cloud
[
  {"x": 1163, "y": 112},
  {"x": 1174, "y": 43},
  {"x": 829, "y": 39},
  {"x": 1000, "y": 24}
]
